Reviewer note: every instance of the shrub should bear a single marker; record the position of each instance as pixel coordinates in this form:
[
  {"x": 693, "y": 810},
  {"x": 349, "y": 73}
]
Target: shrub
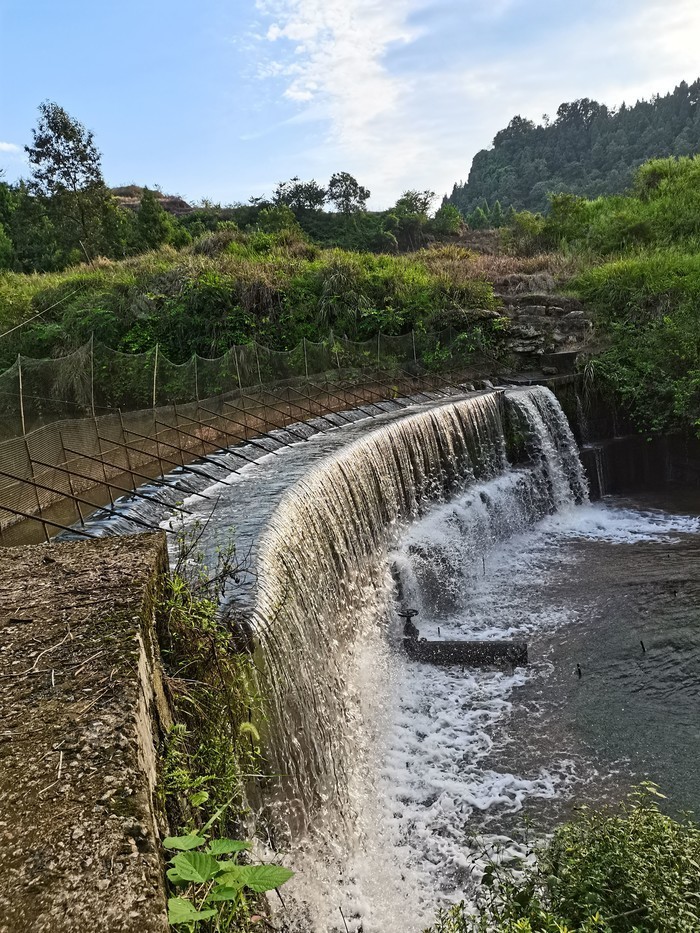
[{"x": 629, "y": 870}]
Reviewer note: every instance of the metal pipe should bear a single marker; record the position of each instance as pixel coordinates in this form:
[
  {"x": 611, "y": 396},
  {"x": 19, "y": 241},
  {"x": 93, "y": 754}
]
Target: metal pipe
[
  {"x": 201, "y": 456},
  {"x": 344, "y": 401},
  {"x": 267, "y": 419},
  {"x": 92, "y": 505},
  {"x": 346, "y": 387},
  {"x": 245, "y": 440},
  {"x": 282, "y": 426},
  {"x": 303, "y": 409},
  {"x": 129, "y": 492},
  {"x": 151, "y": 479},
  {"x": 46, "y": 521},
  {"x": 189, "y": 466}
]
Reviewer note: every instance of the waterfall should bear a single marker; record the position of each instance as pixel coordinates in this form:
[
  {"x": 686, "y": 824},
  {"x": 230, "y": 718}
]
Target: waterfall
[
  {"x": 378, "y": 760},
  {"x": 321, "y": 566}
]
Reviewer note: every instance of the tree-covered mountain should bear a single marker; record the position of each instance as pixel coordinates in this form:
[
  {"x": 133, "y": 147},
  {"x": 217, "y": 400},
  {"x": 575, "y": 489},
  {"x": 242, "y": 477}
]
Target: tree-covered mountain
[{"x": 588, "y": 150}]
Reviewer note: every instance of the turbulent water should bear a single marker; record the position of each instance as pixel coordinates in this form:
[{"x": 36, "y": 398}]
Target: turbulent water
[
  {"x": 475, "y": 512},
  {"x": 353, "y": 719}
]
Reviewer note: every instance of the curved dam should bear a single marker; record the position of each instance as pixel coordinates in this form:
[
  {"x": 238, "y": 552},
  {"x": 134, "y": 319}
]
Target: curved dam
[
  {"x": 391, "y": 778},
  {"x": 320, "y": 562}
]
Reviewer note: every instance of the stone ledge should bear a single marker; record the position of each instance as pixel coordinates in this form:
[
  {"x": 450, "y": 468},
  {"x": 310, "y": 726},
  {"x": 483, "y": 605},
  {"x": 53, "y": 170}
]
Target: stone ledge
[{"x": 82, "y": 704}]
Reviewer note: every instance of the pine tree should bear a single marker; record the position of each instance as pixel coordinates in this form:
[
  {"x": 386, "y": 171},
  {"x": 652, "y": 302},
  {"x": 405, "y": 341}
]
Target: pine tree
[
  {"x": 497, "y": 216},
  {"x": 154, "y": 226}
]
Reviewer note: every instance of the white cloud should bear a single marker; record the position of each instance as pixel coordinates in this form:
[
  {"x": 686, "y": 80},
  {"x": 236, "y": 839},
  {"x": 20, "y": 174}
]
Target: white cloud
[
  {"x": 10, "y": 147},
  {"x": 421, "y": 128},
  {"x": 331, "y": 54}
]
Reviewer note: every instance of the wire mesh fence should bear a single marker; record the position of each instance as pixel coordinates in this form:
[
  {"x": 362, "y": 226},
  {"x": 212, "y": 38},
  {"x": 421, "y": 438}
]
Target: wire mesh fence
[
  {"x": 96, "y": 380},
  {"x": 85, "y": 461}
]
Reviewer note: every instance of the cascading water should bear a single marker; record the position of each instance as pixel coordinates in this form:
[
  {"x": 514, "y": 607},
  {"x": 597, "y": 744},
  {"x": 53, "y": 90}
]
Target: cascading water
[
  {"x": 320, "y": 576},
  {"x": 472, "y": 510},
  {"x": 323, "y": 595}
]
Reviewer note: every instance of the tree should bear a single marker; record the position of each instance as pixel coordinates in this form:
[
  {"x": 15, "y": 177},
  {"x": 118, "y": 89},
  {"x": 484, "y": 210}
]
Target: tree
[
  {"x": 277, "y": 218},
  {"x": 415, "y": 202},
  {"x": 7, "y": 250},
  {"x": 447, "y": 220},
  {"x": 411, "y": 211},
  {"x": 154, "y": 226},
  {"x": 478, "y": 219},
  {"x": 580, "y": 113},
  {"x": 33, "y": 233},
  {"x": 516, "y": 129},
  {"x": 67, "y": 176},
  {"x": 64, "y": 156},
  {"x": 300, "y": 195},
  {"x": 347, "y": 195},
  {"x": 497, "y": 217}
]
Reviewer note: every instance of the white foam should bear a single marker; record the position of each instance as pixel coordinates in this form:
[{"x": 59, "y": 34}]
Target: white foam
[
  {"x": 426, "y": 786},
  {"x": 619, "y": 525}
]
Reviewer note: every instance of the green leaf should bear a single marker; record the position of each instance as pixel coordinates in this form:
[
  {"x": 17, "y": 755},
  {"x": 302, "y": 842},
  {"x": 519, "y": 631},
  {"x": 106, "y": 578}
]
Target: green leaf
[
  {"x": 224, "y": 846},
  {"x": 225, "y": 892},
  {"x": 199, "y": 798},
  {"x": 231, "y": 878},
  {"x": 180, "y": 910},
  {"x": 195, "y": 866},
  {"x": 191, "y": 841},
  {"x": 263, "y": 877},
  {"x": 210, "y": 822},
  {"x": 174, "y": 878}
]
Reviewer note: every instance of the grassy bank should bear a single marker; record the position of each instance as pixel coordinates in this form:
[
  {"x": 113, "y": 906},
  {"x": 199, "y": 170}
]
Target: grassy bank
[
  {"x": 231, "y": 288},
  {"x": 640, "y": 255}
]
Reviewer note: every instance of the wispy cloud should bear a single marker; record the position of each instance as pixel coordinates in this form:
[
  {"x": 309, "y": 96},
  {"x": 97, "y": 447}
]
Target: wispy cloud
[
  {"x": 10, "y": 147},
  {"x": 398, "y": 112},
  {"x": 330, "y": 53}
]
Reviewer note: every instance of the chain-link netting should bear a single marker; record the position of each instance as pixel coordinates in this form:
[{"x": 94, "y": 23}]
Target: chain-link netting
[{"x": 95, "y": 380}]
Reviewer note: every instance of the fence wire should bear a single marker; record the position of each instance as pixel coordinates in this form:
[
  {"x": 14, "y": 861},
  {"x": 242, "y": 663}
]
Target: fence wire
[
  {"x": 95, "y": 380},
  {"x": 79, "y": 462}
]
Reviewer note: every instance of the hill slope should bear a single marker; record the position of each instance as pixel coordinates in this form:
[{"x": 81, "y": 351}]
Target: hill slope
[{"x": 588, "y": 150}]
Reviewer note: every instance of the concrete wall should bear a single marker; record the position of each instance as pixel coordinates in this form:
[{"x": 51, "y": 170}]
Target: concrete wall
[{"x": 83, "y": 707}]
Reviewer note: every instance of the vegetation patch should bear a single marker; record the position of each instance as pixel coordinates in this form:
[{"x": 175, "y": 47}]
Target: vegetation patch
[
  {"x": 212, "y": 755},
  {"x": 638, "y": 258},
  {"x": 628, "y": 870}
]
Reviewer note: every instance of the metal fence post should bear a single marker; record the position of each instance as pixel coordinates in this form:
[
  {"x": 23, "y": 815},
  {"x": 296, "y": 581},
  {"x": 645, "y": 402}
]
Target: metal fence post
[
  {"x": 155, "y": 375},
  {"x": 257, "y": 360},
  {"x": 21, "y": 394},
  {"x": 36, "y": 489},
  {"x": 92, "y": 374}
]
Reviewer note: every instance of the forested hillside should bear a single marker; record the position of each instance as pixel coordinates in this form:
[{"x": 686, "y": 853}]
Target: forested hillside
[{"x": 588, "y": 150}]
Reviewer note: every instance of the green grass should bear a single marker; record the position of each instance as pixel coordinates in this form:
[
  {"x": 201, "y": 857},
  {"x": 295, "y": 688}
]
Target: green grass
[{"x": 230, "y": 288}]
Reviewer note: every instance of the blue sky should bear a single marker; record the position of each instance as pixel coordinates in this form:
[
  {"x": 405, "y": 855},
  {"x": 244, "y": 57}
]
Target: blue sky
[{"x": 224, "y": 99}]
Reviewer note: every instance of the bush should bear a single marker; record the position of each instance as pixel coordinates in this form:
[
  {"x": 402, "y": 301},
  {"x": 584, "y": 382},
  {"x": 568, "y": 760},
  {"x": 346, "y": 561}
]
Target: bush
[{"x": 631, "y": 870}]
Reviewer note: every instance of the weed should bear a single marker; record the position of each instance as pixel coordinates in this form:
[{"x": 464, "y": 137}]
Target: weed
[{"x": 628, "y": 870}]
